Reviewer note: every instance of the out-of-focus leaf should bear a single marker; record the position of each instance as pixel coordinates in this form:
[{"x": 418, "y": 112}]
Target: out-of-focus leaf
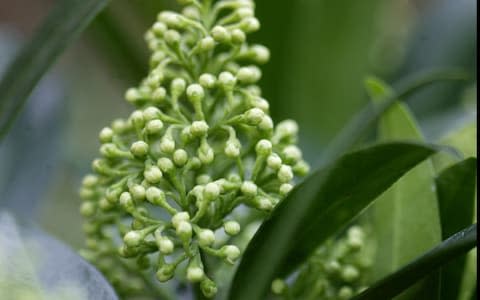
[
  {"x": 456, "y": 188},
  {"x": 406, "y": 217},
  {"x": 61, "y": 27},
  {"x": 395, "y": 283},
  {"x": 318, "y": 208},
  {"x": 34, "y": 266}
]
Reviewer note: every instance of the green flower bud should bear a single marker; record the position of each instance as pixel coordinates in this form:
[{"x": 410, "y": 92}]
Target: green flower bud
[
  {"x": 285, "y": 188},
  {"x": 232, "y": 149},
  {"x": 133, "y": 238},
  {"x": 261, "y": 54},
  {"x": 238, "y": 36},
  {"x": 195, "y": 92},
  {"x": 208, "y": 288},
  {"x": 250, "y": 24},
  {"x": 88, "y": 209},
  {"x": 159, "y": 28},
  {"x": 167, "y": 145},
  {"x": 139, "y": 148},
  {"x": 266, "y": 124},
  {"x": 301, "y": 168},
  {"x": 133, "y": 95},
  {"x": 285, "y": 173},
  {"x": 227, "y": 80},
  {"x": 90, "y": 181},
  {"x": 155, "y": 195},
  {"x": 126, "y": 201},
  {"x": 180, "y": 217},
  {"x": 211, "y": 191},
  {"x": 254, "y": 116},
  {"x": 207, "y": 80},
  {"x": 178, "y": 86},
  {"x": 249, "y": 188},
  {"x": 159, "y": 94},
  {"x": 195, "y": 274},
  {"x": 106, "y": 135},
  {"x": 345, "y": 293},
  {"x": 172, "y": 37},
  {"x": 154, "y": 126},
  {"x": 220, "y": 34},
  {"x": 184, "y": 230},
  {"x": 249, "y": 74},
  {"x": 206, "y": 237},
  {"x": 263, "y": 203},
  {"x": 263, "y": 147},
  {"x": 137, "y": 192},
  {"x": 350, "y": 273},
  {"x": 166, "y": 272},
  {"x": 166, "y": 246},
  {"x": 180, "y": 157},
  {"x": 274, "y": 161},
  {"x": 207, "y": 44},
  {"x": 231, "y": 227},
  {"x": 199, "y": 128},
  {"x": 230, "y": 252},
  {"x": 278, "y": 286}
]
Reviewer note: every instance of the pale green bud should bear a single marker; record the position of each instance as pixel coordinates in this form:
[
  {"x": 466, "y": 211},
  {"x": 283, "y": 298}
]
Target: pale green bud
[
  {"x": 250, "y": 24},
  {"x": 184, "y": 230},
  {"x": 285, "y": 188},
  {"x": 165, "y": 164},
  {"x": 153, "y": 174},
  {"x": 199, "y": 128},
  {"x": 166, "y": 246},
  {"x": 287, "y": 128},
  {"x": 159, "y": 28},
  {"x": 203, "y": 179},
  {"x": 345, "y": 293},
  {"x": 137, "y": 119},
  {"x": 250, "y": 74},
  {"x": 278, "y": 286},
  {"x": 159, "y": 94},
  {"x": 88, "y": 209},
  {"x": 220, "y": 34},
  {"x": 261, "y": 54},
  {"x": 266, "y": 124},
  {"x": 249, "y": 188},
  {"x": 292, "y": 154},
  {"x": 191, "y": 11},
  {"x": 211, "y": 191},
  {"x": 195, "y": 274},
  {"x": 207, "y": 80},
  {"x": 133, "y": 238},
  {"x": 195, "y": 92},
  {"x": 137, "y": 192},
  {"x": 150, "y": 113},
  {"x": 238, "y": 36},
  {"x": 126, "y": 200},
  {"x": 206, "y": 154},
  {"x": 167, "y": 145},
  {"x": 208, "y": 287},
  {"x": 206, "y": 237},
  {"x": 172, "y": 19},
  {"x": 263, "y": 147},
  {"x": 207, "y": 43},
  {"x": 285, "y": 173},
  {"x": 105, "y": 204},
  {"x": 231, "y": 227},
  {"x": 90, "y": 181},
  {"x": 261, "y": 103},
  {"x": 166, "y": 272},
  {"x": 274, "y": 161},
  {"x": 106, "y": 135},
  {"x": 227, "y": 80},
  {"x": 263, "y": 203},
  {"x": 301, "y": 168},
  {"x": 180, "y": 217},
  {"x": 178, "y": 86},
  {"x": 180, "y": 157},
  {"x": 230, "y": 252},
  {"x": 350, "y": 273},
  {"x": 139, "y": 148},
  {"x": 254, "y": 116},
  {"x": 332, "y": 267},
  {"x": 154, "y": 126},
  {"x": 132, "y": 95},
  {"x": 232, "y": 149},
  {"x": 155, "y": 195}
]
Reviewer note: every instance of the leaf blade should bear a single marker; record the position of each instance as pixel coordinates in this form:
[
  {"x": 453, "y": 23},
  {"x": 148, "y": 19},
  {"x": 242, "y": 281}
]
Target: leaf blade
[
  {"x": 340, "y": 192},
  {"x": 61, "y": 27},
  {"x": 395, "y": 283}
]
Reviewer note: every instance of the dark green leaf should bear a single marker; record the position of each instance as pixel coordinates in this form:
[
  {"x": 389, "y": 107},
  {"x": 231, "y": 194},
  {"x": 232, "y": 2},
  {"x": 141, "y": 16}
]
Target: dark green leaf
[
  {"x": 66, "y": 21},
  {"x": 395, "y": 283},
  {"x": 317, "y": 208},
  {"x": 406, "y": 217},
  {"x": 366, "y": 119},
  {"x": 456, "y": 195}
]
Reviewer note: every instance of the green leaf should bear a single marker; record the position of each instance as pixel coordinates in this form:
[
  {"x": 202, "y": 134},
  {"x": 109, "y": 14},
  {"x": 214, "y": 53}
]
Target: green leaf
[
  {"x": 366, "y": 119},
  {"x": 61, "y": 27},
  {"x": 406, "y": 217},
  {"x": 318, "y": 208},
  {"x": 426, "y": 264},
  {"x": 456, "y": 187}
]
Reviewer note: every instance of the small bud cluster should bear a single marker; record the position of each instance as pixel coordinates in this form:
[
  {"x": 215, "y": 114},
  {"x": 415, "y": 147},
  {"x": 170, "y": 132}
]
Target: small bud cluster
[
  {"x": 337, "y": 270},
  {"x": 199, "y": 145}
]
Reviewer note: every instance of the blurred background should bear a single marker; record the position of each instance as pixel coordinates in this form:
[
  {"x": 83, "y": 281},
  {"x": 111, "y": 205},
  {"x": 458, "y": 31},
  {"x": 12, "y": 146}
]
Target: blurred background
[{"x": 321, "y": 52}]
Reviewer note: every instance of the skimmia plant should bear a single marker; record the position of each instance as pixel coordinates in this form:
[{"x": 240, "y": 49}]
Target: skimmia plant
[
  {"x": 199, "y": 192},
  {"x": 180, "y": 176}
]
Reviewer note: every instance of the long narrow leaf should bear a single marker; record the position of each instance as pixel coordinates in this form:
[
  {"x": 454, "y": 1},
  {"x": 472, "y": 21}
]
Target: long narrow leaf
[
  {"x": 394, "y": 284},
  {"x": 323, "y": 204},
  {"x": 64, "y": 24}
]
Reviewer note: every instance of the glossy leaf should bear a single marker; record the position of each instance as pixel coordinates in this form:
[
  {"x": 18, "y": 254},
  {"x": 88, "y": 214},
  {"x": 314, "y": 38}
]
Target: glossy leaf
[
  {"x": 456, "y": 188},
  {"x": 35, "y": 266},
  {"x": 426, "y": 264},
  {"x": 406, "y": 217},
  {"x": 318, "y": 208},
  {"x": 61, "y": 27}
]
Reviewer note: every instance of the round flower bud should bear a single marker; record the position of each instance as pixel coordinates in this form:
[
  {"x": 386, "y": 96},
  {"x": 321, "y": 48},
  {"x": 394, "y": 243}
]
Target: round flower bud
[
  {"x": 154, "y": 126},
  {"x": 266, "y": 124},
  {"x": 232, "y": 149},
  {"x": 238, "y": 36},
  {"x": 350, "y": 273},
  {"x": 180, "y": 217},
  {"x": 166, "y": 246},
  {"x": 249, "y": 188},
  {"x": 165, "y": 164},
  {"x": 301, "y": 168},
  {"x": 220, "y": 34},
  {"x": 195, "y": 92},
  {"x": 206, "y": 237},
  {"x": 167, "y": 145},
  {"x": 245, "y": 12},
  {"x": 332, "y": 267},
  {"x": 292, "y": 154},
  {"x": 261, "y": 103},
  {"x": 287, "y": 128},
  {"x": 132, "y": 95},
  {"x": 119, "y": 126},
  {"x": 126, "y": 200},
  {"x": 180, "y": 157},
  {"x": 105, "y": 204},
  {"x": 203, "y": 179},
  {"x": 211, "y": 191},
  {"x": 254, "y": 116},
  {"x": 231, "y": 227},
  {"x": 159, "y": 94},
  {"x": 264, "y": 203},
  {"x": 195, "y": 274},
  {"x": 90, "y": 181},
  {"x": 199, "y": 128},
  {"x": 137, "y": 119},
  {"x": 278, "y": 286},
  {"x": 261, "y": 54},
  {"x": 87, "y": 209},
  {"x": 207, "y": 44},
  {"x": 206, "y": 154},
  {"x": 227, "y": 80},
  {"x": 106, "y": 135},
  {"x": 208, "y": 287},
  {"x": 249, "y": 74},
  {"x": 154, "y": 195},
  {"x": 165, "y": 273},
  {"x": 345, "y": 293},
  {"x": 159, "y": 28},
  {"x": 207, "y": 80},
  {"x": 230, "y": 252},
  {"x": 139, "y": 148},
  {"x": 191, "y": 11},
  {"x": 274, "y": 161},
  {"x": 285, "y": 188},
  {"x": 184, "y": 230},
  {"x": 263, "y": 147},
  {"x": 172, "y": 19},
  {"x": 250, "y": 24},
  {"x": 172, "y": 37},
  {"x": 285, "y": 173},
  {"x": 153, "y": 174},
  {"x": 137, "y": 192},
  {"x": 178, "y": 86},
  {"x": 150, "y": 113},
  {"x": 132, "y": 238}
]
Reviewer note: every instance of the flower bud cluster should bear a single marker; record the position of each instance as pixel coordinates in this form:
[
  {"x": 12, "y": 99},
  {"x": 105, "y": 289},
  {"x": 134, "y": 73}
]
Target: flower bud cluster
[
  {"x": 199, "y": 145},
  {"x": 337, "y": 270}
]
